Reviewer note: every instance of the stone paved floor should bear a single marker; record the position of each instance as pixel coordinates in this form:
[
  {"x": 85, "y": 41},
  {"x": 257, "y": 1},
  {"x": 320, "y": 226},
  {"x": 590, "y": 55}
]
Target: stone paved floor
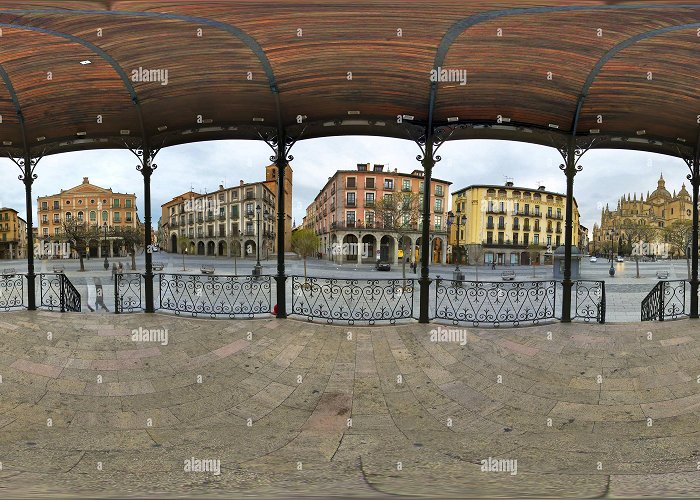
[{"x": 586, "y": 410}]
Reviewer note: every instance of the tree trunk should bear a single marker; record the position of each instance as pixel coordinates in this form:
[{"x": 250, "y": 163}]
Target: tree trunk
[
  {"x": 133, "y": 260},
  {"x": 636, "y": 259},
  {"x": 82, "y": 266},
  {"x": 235, "y": 264},
  {"x": 305, "y": 278}
]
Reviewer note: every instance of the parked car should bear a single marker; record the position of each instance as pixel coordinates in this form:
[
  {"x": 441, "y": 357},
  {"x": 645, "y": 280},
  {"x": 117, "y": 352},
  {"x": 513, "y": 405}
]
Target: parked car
[
  {"x": 593, "y": 259},
  {"x": 382, "y": 266},
  {"x": 619, "y": 258}
]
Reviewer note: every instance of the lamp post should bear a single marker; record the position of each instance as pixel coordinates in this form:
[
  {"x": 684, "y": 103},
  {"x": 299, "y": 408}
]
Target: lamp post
[
  {"x": 104, "y": 226},
  {"x": 611, "y": 233},
  {"x": 257, "y": 270},
  {"x": 461, "y": 220}
]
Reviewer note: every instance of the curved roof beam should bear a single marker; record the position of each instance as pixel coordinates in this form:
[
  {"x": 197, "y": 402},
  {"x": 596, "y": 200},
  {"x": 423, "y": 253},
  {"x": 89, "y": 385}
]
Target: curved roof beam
[
  {"x": 248, "y": 40},
  {"x": 612, "y": 53},
  {"x": 90, "y": 46},
  {"x": 461, "y": 26},
  {"x": 15, "y": 102}
]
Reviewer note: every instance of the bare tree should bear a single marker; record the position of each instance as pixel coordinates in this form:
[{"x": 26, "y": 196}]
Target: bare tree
[
  {"x": 182, "y": 242},
  {"x": 475, "y": 254},
  {"x": 399, "y": 214},
  {"x": 132, "y": 238},
  {"x": 533, "y": 251},
  {"x": 678, "y": 234},
  {"x": 78, "y": 233},
  {"x": 640, "y": 236},
  {"x": 305, "y": 244},
  {"x": 234, "y": 243}
]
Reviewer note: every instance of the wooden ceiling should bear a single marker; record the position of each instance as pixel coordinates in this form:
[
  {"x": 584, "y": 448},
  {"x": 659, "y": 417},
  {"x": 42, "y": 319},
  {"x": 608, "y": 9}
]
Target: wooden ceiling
[{"x": 349, "y": 68}]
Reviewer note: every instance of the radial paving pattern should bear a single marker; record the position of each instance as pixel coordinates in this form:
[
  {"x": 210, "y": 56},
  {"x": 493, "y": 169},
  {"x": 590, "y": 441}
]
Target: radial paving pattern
[{"x": 437, "y": 408}]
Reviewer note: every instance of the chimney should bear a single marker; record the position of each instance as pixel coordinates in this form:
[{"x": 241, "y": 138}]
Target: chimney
[
  {"x": 85, "y": 180},
  {"x": 221, "y": 187},
  {"x": 509, "y": 184},
  {"x": 541, "y": 188},
  {"x": 242, "y": 182}
]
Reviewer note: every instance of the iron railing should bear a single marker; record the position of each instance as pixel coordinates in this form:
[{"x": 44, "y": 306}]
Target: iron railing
[
  {"x": 127, "y": 292},
  {"x": 12, "y": 292},
  {"x": 57, "y": 292},
  {"x": 590, "y": 301},
  {"x": 216, "y": 295},
  {"x": 353, "y": 300},
  {"x": 490, "y": 303},
  {"x": 665, "y": 301}
]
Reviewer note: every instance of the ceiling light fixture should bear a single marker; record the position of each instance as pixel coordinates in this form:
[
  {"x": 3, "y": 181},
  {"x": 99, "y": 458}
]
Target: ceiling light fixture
[
  {"x": 125, "y": 131},
  {"x": 453, "y": 119},
  {"x": 162, "y": 127},
  {"x": 85, "y": 62}
]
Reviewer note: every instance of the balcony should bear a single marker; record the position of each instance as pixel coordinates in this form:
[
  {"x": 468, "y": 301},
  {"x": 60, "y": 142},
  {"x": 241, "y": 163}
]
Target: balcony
[
  {"x": 222, "y": 217},
  {"x": 439, "y": 211},
  {"x": 369, "y": 204},
  {"x": 350, "y": 204},
  {"x": 490, "y": 226},
  {"x": 200, "y": 219},
  {"x": 526, "y": 227},
  {"x": 249, "y": 196},
  {"x": 497, "y": 211},
  {"x": 406, "y": 189},
  {"x": 550, "y": 230},
  {"x": 558, "y": 231},
  {"x": 516, "y": 227},
  {"x": 555, "y": 216},
  {"x": 388, "y": 187},
  {"x": 506, "y": 244},
  {"x": 44, "y": 209},
  {"x": 210, "y": 218},
  {"x": 501, "y": 227},
  {"x": 249, "y": 232}
]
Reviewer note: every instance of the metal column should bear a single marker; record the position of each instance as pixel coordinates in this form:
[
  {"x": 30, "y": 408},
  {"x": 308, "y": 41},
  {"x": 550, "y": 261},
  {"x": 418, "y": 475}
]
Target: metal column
[
  {"x": 428, "y": 163},
  {"x": 280, "y": 278},
  {"x": 27, "y": 178},
  {"x": 570, "y": 171},
  {"x": 694, "y": 178},
  {"x": 147, "y": 169}
]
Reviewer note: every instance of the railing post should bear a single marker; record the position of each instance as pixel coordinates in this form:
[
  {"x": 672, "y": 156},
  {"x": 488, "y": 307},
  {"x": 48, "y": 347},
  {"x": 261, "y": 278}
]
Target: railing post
[
  {"x": 662, "y": 290},
  {"x": 116, "y": 293},
  {"x": 602, "y": 303},
  {"x": 62, "y": 292}
]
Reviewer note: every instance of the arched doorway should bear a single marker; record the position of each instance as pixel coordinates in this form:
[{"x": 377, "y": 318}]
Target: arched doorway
[
  {"x": 211, "y": 248},
  {"x": 437, "y": 250},
  {"x": 200, "y": 248},
  {"x": 350, "y": 248},
  {"x": 222, "y": 248},
  {"x": 368, "y": 248},
  {"x": 405, "y": 245},
  {"x": 173, "y": 243},
  {"x": 191, "y": 249},
  {"x": 386, "y": 249},
  {"x": 249, "y": 249}
]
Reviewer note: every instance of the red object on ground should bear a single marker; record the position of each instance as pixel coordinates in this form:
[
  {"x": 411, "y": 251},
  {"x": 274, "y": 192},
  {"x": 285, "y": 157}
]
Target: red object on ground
[{"x": 274, "y": 310}]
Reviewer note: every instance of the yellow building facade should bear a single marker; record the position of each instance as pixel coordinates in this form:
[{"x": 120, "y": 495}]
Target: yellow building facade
[
  {"x": 507, "y": 224},
  {"x": 13, "y": 234}
]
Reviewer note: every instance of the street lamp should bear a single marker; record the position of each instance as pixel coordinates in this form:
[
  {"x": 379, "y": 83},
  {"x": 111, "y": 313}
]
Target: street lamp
[
  {"x": 106, "y": 264},
  {"x": 257, "y": 270},
  {"x": 461, "y": 220},
  {"x": 611, "y": 234}
]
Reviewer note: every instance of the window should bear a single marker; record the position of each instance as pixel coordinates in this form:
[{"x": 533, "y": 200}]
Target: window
[
  {"x": 55, "y": 218},
  {"x": 515, "y": 238},
  {"x": 128, "y": 216},
  {"x": 115, "y": 203},
  {"x": 527, "y": 208},
  {"x": 44, "y": 205},
  {"x": 45, "y": 219},
  {"x": 350, "y": 199},
  {"x": 558, "y": 213},
  {"x": 249, "y": 209},
  {"x": 420, "y": 186},
  {"x": 389, "y": 184},
  {"x": 438, "y": 205},
  {"x": 549, "y": 240},
  {"x": 526, "y": 239},
  {"x": 536, "y": 239},
  {"x": 56, "y": 205},
  {"x": 549, "y": 211},
  {"x": 80, "y": 216},
  {"x": 350, "y": 183},
  {"x": 489, "y": 238},
  {"x": 93, "y": 216},
  {"x": 127, "y": 203},
  {"x": 369, "y": 183},
  {"x": 438, "y": 222},
  {"x": 234, "y": 211},
  {"x": 537, "y": 210},
  {"x": 369, "y": 219},
  {"x": 516, "y": 223},
  {"x": 46, "y": 231},
  {"x": 369, "y": 199},
  {"x": 350, "y": 219},
  {"x": 57, "y": 231},
  {"x": 406, "y": 185},
  {"x": 489, "y": 222},
  {"x": 537, "y": 225},
  {"x": 116, "y": 217},
  {"x": 438, "y": 190},
  {"x": 501, "y": 222},
  {"x": 69, "y": 216},
  {"x": 105, "y": 216},
  {"x": 67, "y": 202},
  {"x": 500, "y": 238}
]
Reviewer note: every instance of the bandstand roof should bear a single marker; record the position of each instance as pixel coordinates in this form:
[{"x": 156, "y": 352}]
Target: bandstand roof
[{"x": 623, "y": 73}]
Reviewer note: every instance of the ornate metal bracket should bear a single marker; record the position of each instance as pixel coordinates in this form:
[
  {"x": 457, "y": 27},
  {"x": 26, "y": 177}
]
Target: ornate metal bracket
[
  {"x": 33, "y": 162},
  {"x": 137, "y": 150},
  {"x": 439, "y": 136},
  {"x": 271, "y": 138},
  {"x": 571, "y": 166}
]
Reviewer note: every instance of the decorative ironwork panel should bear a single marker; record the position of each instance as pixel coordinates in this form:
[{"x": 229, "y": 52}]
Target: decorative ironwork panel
[
  {"x": 490, "y": 303},
  {"x": 590, "y": 301},
  {"x": 352, "y": 300},
  {"x": 57, "y": 292},
  {"x": 665, "y": 301},
  {"x": 12, "y": 292},
  {"x": 127, "y": 292},
  {"x": 215, "y": 295},
  {"x": 50, "y": 291}
]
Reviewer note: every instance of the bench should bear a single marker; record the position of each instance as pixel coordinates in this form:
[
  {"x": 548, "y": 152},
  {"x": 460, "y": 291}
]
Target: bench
[
  {"x": 58, "y": 269},
  {"x": 662, "y": 275},
  {"x": 9, "y": 272},
  {"x": 508, "y": 275},
  {"x": 207, "y": 269},
  {"x": 157, "y": 266}
]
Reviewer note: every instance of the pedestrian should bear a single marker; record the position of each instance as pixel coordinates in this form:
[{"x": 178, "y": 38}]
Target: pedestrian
[{"x": 120, "y": 269}]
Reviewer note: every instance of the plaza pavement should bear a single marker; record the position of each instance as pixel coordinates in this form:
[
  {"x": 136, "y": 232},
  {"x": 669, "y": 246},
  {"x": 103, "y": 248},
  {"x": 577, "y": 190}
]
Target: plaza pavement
[{"x": 586, "y": 410}]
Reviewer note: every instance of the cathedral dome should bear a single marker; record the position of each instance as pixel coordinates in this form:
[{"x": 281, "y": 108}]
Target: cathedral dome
[{"x": 660, "y": 191}]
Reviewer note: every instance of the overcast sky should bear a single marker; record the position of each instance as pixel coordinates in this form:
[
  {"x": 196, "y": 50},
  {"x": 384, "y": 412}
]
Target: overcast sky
[{"x": 607, "y": 174}]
